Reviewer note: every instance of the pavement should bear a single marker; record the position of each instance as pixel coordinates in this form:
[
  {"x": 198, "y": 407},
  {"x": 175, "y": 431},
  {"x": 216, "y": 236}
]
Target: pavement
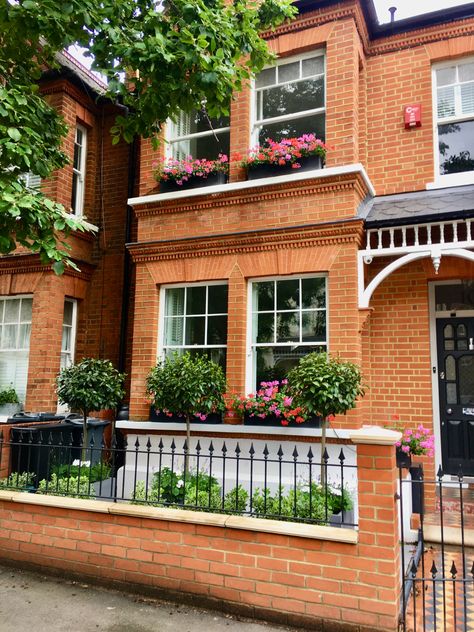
[{"x": 33, "y": 602}]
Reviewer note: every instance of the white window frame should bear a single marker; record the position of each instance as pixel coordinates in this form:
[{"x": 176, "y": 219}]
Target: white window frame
[
  {"x": 17, "y": 297},
  {"x": 31, "y": 180},
  {"x": 172, "y": 140},
  {"x": 161, "y": 318},
  {"x": 449, "y": 179},
  {"x": 257, "y": 123},
  {"x": 73, "y": 328},
  {"x": 251, "y": 357},
  {"x": 77, "y": 204}
]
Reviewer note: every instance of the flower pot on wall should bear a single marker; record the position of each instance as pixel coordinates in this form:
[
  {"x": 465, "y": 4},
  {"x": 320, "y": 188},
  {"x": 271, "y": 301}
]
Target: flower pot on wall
[
  {"x": 336, "y": 519},
  {"x": 194, "y": 182},
  {"x": 272, "y": 421},
  {"x": 403, "y": 459},
  {"x": 213, "y": 418},
  {"x": 310, "y": 163}
]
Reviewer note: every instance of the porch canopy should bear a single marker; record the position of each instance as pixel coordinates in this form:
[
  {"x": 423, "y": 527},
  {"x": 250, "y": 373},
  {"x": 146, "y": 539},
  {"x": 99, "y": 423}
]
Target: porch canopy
[{"x": 411, "y": 226}]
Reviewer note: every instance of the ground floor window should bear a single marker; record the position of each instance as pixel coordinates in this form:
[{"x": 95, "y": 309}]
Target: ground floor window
[
  {"x": 194, "y": 319},
  {"x": 288, "y": 320},
  {"x": 15, "y": 331},
  {"x": 68, "y": 341}
]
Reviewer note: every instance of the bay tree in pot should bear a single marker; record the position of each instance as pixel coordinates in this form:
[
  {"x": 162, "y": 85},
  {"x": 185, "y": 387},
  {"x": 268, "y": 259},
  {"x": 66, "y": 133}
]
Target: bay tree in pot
[
  {"x": 325, "y": 385},
  {"x": 187, "y": 386},
  {"x": 91, "y": 384}
]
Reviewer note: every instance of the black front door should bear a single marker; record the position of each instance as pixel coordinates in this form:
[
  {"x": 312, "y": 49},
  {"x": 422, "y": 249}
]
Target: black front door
[{"x": 455, "y": 339}]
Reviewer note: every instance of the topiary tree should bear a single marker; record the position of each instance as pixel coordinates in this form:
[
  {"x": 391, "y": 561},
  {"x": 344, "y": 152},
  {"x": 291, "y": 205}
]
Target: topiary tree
[
  {"x": 91, "y": 384},
  {"x": 325, "y": 386},
  {"x": 187, "y": 385}
]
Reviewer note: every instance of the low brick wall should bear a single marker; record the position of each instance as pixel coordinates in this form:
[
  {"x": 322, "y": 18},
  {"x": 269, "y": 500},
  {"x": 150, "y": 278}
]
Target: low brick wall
[{"x": 318, "y": 577}]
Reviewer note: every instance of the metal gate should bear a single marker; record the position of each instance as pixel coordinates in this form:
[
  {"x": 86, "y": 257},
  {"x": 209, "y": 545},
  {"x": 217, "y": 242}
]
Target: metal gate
[{"x": 437, "y": 553}]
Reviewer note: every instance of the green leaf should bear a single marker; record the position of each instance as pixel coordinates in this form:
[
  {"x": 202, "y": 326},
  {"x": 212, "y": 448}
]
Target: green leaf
[{"x": 14, "y": 133}]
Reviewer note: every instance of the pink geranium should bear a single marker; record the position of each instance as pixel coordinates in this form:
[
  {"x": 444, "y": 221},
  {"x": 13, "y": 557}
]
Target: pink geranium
[
  {"x": 417, "y": 442},
  {"x": 180, "y": 171},
  {"x": 287, "y": 152}
]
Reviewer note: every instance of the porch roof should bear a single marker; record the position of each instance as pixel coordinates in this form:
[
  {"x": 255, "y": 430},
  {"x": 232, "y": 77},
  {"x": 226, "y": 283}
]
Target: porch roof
[{"x": 419, "y": 207}]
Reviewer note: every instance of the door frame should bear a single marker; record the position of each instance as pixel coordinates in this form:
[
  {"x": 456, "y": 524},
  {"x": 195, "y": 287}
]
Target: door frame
[{"x": 433, "y": 314}]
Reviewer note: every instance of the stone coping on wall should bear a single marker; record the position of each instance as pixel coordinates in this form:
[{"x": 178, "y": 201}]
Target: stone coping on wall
[
  {"x": 245, "y": 185},
  {"x": 314, "y": 532}
]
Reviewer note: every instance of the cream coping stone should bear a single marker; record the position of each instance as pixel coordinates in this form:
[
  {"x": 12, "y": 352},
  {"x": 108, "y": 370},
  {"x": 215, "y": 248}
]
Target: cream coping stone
[
  {"x": 320, "y": 174},
  {"x": 315, "y": 532},
  {"x": 375, "y": 435}
]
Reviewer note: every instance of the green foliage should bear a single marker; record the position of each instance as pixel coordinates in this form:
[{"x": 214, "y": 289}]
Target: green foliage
[
  {"x": 94, "y": 473},
  {"x": 181, "y": 54},
  {"x": 197, "y": 491},
  {"x": 18, "y": 481},
  {"x": 73, "y": 486},
  {"x": 325, "y": 385},
  {"x": 8, "y": 396},
  {"x": 187, "y": 385},
  {"x": 295, "y": 504},
  {"x": 90, "y": 385}
]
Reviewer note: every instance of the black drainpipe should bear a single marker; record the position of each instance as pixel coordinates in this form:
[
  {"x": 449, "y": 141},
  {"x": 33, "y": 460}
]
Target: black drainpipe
[{"x": 127, "y": 261}]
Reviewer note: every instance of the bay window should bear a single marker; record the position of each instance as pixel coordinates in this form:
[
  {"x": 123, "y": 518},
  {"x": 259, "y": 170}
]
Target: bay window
[
  {"x": 194, "y": 319},
  {"x": 288, "y": 320},
  {"x": 79, "y": 170},
  {"x": 15, "y": 331},
  {"x": 289, "y": 99}
]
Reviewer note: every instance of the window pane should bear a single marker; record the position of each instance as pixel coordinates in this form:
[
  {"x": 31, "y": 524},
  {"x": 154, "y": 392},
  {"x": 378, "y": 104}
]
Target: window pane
[
  {"x": 26, "y": 309},
  {"x": 288, "y": 72},
  {"x": 467, "y": 98},
  {"x": 288, "y": 294},
  {"x": 217, "y": 330},
  {"x": 446, "y": 76},
  {"x": 451, "y": 393},
  {"x": 455, "y": 297},
  {"x": 274, "y": 363},
  {"x": 265, "y": 78},
  {"x": 456, "y": 147},
  {"x": 466, "y": 380},
  {"x": 450, "y": 368},
  {"x": 195, "y": 330},
  {"x": 12, "y": 311},
  {"x": 77, "y": 156},
  {"x": 68, "y": 310},
  {"x": 293, "y": 97},
  {"x": 9, "y": 336},
  {"x": 265, "y": 324},
  {"x": 313, "y": 66},
  {"x": 24, "y": 337},
  {"x": 313, "y": 327},
  {"x": 314, "y": 124},
  {"x": 174, "y": 301},
  {"x": 66, "y": 340},
  {"x": 264, "y": 296},
  {"x": 209, "y": 147},
  {"x": 217, "y": 299},
  {"x": 75, "y": 183},
  {"x": 173, "y": 331},
  {"x": 466, "y": 72},
  {"x": 196, "y": 300},
  {"x": 314, "y": 292},
  {"x": 446, "y": 105},
  {"x": 288, "y": 327},
  {"x": 201, "y": 122}
]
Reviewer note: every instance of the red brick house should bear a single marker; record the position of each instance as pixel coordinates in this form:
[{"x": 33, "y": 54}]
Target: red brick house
[{"x": 369, "y": 257}]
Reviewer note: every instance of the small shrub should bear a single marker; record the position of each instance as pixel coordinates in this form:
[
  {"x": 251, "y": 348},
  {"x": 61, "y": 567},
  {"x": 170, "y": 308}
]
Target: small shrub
[
  {"x": 67, "y": 486},
  {"x": 16, "y": 480},
  {"x": 295, "y": 504},
  {"x": 94, "y": 473},
  {"x": 8, "y": 396}
]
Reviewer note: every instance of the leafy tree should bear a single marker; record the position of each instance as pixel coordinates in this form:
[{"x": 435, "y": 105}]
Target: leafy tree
[
  {"x": 181, "y": 53},
  {"x": 325, "y": 386},
  {"x": 187, "y": 385},
  {"x": 90, "y": 385}
]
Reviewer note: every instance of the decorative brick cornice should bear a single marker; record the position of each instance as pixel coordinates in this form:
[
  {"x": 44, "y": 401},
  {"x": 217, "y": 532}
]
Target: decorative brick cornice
[
  {"x": 62, "y": 86},
  {"x": 313, "y": 235},
  {"x": 28, "y": 263},
  {"x": 300, "y": 188}
]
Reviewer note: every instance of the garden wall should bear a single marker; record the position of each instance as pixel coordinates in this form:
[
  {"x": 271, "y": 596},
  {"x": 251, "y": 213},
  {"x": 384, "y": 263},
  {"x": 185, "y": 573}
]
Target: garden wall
[{"x": 319, "y": 577}]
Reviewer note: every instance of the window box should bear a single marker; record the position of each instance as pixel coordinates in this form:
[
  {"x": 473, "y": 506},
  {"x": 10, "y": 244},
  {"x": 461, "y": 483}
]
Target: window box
[
  {"x": 272, "y": 421},
  {"x": 194, "y": 182},
  {"x": 310, "y": 163},
  {"x": 214, "y": 418}
]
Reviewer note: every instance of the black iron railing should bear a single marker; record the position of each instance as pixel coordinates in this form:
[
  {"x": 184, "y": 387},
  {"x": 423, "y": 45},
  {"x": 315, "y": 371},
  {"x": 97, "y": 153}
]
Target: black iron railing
[
  {"x": 437, "y": 557},
  {"x": 282, "y": 483}
]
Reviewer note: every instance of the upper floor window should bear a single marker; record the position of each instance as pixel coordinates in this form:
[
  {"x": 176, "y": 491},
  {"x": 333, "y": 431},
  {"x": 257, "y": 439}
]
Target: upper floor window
[
  {"x": 68, "y": 341},
  {"x": 195, "y": 320},
  {"x": 15, "y": 331},
  {"x": 198, "y": 135},
  {"x": 290, "y": 99},
  {"x": 288, "y": 320},
  {"x": 79, "y": 170},
  {"x": 454, "y": 132}
]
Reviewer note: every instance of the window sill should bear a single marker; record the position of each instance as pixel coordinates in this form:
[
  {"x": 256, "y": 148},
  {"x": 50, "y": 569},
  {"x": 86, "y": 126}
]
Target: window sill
[
  {"x": 319, "y": 174},
  {"x": 453, "y": 180}
]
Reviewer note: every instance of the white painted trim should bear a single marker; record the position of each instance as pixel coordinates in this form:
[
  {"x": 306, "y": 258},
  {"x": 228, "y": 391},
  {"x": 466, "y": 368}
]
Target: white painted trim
[
  {"x": 248, "y": 185},
  {"x": 155, "y": 427},
  {"x": 434, "y": 375}
]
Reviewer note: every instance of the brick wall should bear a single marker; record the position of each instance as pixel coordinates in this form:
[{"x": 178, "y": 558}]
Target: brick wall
[{"x": 304, "y": 579}]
